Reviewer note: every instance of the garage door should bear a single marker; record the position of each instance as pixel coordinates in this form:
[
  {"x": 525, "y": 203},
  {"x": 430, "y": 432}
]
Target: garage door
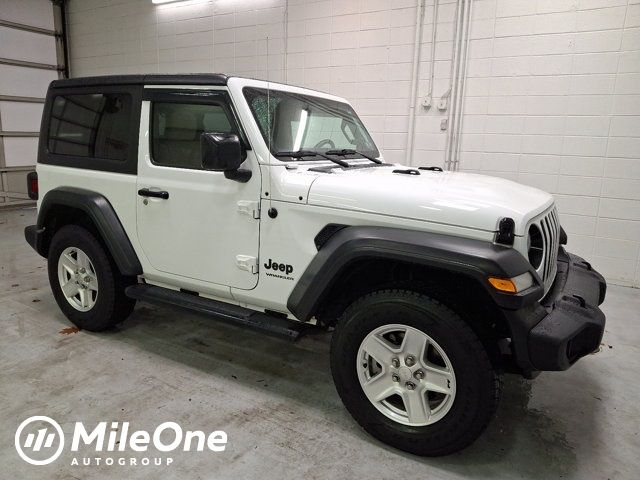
[{"x": 31, "y": 56}]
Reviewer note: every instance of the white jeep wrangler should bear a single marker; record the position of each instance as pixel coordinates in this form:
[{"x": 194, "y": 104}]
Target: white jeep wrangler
[{"x": 270, "y": 206}]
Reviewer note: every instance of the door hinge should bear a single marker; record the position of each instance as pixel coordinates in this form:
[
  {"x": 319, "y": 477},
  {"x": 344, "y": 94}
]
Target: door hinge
[
  {"x": 247, "y": 262},
  {"x": 249, "y": 207}
]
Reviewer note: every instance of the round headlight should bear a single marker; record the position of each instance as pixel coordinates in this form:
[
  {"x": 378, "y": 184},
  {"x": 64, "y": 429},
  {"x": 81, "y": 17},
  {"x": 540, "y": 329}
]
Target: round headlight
[{"x": 536, "y": 246}]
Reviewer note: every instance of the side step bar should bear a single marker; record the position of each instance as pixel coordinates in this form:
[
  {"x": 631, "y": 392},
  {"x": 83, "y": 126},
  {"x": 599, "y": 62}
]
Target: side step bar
[{"x": 233, "y": 314}]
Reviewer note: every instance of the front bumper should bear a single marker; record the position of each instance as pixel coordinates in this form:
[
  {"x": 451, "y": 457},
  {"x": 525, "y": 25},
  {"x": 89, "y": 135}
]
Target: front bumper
[{"x": 564, "y": 326}]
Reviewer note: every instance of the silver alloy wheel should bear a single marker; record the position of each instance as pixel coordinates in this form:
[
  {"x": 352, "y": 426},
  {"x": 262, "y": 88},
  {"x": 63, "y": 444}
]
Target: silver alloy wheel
[
  {"x": 406, "y": 375},
  {"x": 78, "y": 279}
]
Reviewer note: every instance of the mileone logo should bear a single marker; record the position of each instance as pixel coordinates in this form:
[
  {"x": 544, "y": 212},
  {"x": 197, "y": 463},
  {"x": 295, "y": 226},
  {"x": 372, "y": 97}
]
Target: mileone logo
[{"x": 40, "y": 440}]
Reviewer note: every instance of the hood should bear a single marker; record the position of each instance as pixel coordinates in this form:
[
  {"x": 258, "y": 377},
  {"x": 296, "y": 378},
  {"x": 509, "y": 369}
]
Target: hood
[{"x": 452, "y": 198}]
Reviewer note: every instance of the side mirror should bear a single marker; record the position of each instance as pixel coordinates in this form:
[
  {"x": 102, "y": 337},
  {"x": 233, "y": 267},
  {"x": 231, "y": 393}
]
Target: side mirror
[{"x": 222, "y": 152}]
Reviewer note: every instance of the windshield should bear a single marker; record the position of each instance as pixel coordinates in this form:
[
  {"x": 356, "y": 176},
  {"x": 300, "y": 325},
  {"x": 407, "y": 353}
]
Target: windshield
[{"x": 298, "y": 122}]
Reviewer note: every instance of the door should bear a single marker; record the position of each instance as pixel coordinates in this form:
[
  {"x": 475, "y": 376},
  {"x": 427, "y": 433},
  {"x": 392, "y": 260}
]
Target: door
[
  {"x": 192, "y": 222},
  {"x": 29, "y": 61}
]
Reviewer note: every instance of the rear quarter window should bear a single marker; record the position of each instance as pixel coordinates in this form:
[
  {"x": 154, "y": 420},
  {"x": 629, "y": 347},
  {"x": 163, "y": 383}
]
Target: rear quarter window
[{"x": 96, "y": 125}]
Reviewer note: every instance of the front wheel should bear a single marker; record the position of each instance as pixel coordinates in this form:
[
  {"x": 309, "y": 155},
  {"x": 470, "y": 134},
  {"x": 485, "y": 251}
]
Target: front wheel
[
  {"x": 413, "y": 373},
  {"x": 85, "y": 282}
]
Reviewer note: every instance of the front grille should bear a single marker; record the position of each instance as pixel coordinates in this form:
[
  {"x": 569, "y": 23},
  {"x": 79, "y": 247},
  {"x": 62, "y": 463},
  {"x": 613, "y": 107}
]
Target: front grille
[{"x": 549, "y": 226}]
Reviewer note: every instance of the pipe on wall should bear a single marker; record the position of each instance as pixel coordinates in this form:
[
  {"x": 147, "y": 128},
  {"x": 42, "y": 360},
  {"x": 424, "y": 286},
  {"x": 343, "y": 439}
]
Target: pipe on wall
[
  {"x": 450, "y": 96},
  {"x": 455, "y": 94},
  {"x": 434, "y": 31},
  {"x": 462, "y": 82},
  {"x": 415, "y": 75},
  {"x": 286, "y": 39}
]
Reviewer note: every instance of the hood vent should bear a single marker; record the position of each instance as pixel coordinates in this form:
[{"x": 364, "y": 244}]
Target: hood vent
[{"x": 407, "y": 171}]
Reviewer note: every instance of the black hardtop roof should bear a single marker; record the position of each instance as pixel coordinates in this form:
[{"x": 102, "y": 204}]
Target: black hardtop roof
[{"x": 144, "y": 79}]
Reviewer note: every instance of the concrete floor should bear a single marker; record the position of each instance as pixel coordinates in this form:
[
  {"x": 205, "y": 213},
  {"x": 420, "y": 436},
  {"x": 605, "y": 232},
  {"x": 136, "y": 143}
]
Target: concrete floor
[{"x": 276, "y": 400}]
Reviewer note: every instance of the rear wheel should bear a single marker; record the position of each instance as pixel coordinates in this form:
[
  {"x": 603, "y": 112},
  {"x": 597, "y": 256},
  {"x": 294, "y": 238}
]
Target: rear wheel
[
  {"x": 85, "y": 282},
  {"x": 413, "y": 373}
]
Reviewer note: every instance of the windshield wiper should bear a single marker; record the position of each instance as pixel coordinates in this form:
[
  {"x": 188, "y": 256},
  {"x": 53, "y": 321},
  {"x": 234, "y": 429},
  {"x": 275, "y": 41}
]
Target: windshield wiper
[
  {"x": 311, "y": 153},
  {"x": 348, "y": 151}
]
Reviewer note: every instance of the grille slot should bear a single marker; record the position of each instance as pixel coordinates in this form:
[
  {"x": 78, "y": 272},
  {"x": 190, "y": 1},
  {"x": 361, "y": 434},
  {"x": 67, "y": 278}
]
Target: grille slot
[{"x": 549, "y": 225}]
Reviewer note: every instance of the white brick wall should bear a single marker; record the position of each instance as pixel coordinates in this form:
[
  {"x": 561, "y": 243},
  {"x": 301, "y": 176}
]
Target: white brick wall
[
  {"x": 562, "y": 94},
  {"x": 552, "y": 96}
]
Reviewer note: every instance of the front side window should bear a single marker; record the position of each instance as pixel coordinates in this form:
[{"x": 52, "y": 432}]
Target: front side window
[
  {"x": 177, "y": 128},
  {"x": 91, "y": 125},
  {"x": 291, "y": 122}
]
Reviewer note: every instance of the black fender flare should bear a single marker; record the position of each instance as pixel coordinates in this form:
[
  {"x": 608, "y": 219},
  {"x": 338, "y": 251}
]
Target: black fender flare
[
  {"x": 474, "y": 258},
  {"x": 103, "y": 216}
]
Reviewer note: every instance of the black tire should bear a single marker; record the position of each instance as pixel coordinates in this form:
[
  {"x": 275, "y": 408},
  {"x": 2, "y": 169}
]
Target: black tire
[
  {"x": 478, "y": 385},
  {"x": 112, "y": 306}
]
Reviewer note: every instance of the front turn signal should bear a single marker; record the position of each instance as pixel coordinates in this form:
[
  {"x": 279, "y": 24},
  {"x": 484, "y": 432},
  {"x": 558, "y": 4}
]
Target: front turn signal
[
  {"x": 512, "y": 285},
  {"x": 503, "y": 284}
]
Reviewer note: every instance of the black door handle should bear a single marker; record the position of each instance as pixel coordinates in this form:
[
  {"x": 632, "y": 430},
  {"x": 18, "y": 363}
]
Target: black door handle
[{"x": 145, "y": 192}]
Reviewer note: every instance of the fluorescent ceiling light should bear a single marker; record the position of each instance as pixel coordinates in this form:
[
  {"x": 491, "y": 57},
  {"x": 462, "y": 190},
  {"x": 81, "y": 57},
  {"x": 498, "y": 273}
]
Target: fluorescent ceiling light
[{"x": 184, "y": 2}]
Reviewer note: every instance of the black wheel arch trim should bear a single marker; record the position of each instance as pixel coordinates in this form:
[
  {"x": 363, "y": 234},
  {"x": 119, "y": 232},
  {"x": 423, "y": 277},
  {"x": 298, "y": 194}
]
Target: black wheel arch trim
[
  {"x": 103, "y": 216},
  {"x": 474, "y": 258}
]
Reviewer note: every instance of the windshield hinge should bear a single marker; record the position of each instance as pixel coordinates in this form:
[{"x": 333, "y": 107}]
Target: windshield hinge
[
  {"x": 247, "y": 262},
  {"x": 249, "y": 207}
]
